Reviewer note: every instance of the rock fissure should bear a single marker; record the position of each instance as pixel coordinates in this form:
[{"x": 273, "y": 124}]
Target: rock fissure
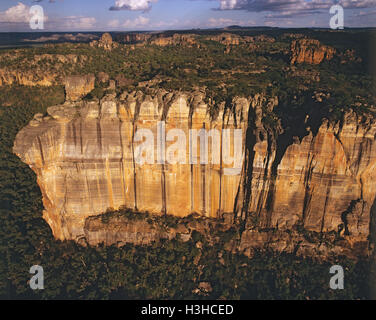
[{"x": 289, "y": 175}]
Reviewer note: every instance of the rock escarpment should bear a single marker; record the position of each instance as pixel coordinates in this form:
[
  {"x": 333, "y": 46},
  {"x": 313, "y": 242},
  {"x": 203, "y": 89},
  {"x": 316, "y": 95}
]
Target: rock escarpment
[
  {"x": 87, "y": 150},
  {"x": 310, "y": 51},
  {"x": 191, "y": 40},
  {"x": 40, "y": 70},
  {"x": 321, "y": 182},
  {"x": 27, "y": 78},
  {"x": 176, "y": 39},
  {"x": 76, "y": 87},
  {"x": 105, "y": 42}
]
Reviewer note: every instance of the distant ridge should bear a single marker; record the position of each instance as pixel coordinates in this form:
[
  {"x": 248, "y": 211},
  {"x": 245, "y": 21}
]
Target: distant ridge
[{"x": 236, "y": 27}]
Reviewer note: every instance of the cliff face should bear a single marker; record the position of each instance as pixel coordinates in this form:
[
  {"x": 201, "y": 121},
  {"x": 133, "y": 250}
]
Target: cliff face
[
  {"x": 76, "y": 87},
  {"x": 105, "y": 42},
  {"x": 85, "y": 155},
  {"x": 176, "y": 39},
  {"x": 136, "y": 37},
  {"x": 86, "y": 159},
  {"x": 233, "y": 39},
  {"x": 190, "y": 40},
  {"x": 310, "y": 51},
  {"x": 322, "y": 182},
  {"x": 40, "y": 70},
  {"x": 9, "y": 77}
]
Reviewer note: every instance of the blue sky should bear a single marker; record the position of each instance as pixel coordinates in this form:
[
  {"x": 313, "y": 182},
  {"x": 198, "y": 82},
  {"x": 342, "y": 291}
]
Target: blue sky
[{"x": 127, "y": 15}]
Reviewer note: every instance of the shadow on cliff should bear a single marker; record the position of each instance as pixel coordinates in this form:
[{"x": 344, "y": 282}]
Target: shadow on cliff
[
  {"x": 372, "y": 240},
  {"x": 298, "y": 117}
]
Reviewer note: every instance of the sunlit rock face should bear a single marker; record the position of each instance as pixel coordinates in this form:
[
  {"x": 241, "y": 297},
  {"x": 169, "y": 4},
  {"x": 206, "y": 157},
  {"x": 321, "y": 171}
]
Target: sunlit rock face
[
  {"x": 76, "y": 87},
  {"x": 27, "y": 78},
  {"x": 323, "y": 181},
  {"x": 42, "y": 69},
  {"x": 84, "y": 156},
  {"x": 310, "y": 51},
  {"x": 87, "y": 159}
]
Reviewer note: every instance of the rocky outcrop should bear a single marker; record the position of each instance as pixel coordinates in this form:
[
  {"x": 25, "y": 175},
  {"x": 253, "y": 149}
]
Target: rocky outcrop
[
  {"x": 190, "y": 40},
  {"x": 87, "y": 159},
  {"x": 161, "y": 39},
  {"x": 136, "y": 37},
  {"x": 105, "y": 42},
  {"x": 79, "y": 37},
  {"x": 176, "y": 40},
  {"x": 349, "y": 56},
  {"x": 143, "y": 229},
  {"x": 76, "y": 87},
  {"x": 40, "y": 70},
  {"x": 97, "y": 139},
  {"x": 123, "y": 227},
  {"x": 321, "y": 181},
  {"x": 226, "y": 39},
  {"x": 103, "y": 77},
  {"x": 310, "y": 51},
  {"x": 26, "y": 78}
]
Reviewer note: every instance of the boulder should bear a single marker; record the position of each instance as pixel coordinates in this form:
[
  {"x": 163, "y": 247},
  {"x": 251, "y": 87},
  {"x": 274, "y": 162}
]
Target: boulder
[{"x": 76, "y": 87}]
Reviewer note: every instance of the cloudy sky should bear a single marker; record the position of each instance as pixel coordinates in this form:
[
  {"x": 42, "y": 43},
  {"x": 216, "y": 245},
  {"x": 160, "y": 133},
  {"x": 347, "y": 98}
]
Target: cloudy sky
[{"x": 126, "y": 15}]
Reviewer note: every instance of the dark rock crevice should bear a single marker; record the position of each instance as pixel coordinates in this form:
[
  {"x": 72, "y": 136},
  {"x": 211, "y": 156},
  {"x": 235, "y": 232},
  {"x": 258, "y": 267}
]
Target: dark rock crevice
[
  {"x": 344, "y": 215},
  {"x": 247, "y": 171}
]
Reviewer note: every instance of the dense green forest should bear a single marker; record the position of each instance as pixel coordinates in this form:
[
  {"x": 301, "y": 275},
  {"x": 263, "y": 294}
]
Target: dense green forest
[
  {"x": 244, "y": 69},
  {"x": 172, "y": 269},
  {"x": 165, "y": 270}
]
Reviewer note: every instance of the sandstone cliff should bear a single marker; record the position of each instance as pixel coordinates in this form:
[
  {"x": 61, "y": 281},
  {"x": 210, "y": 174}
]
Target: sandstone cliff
[
  {"x": 136, "y": 37},
  {"x": 120, "y": 228},
  {"x": 76, "y": 87},
  {"x": 318, "y": 181},
  {"x": 160, "y": 39},
  {"x": 26, "y": 78},
  {"x": 40, "y": 70},
  {"x": 234, "y": 39},
  {"x": 176, "y": 39},
  {"x": 105, "y": 42},
  {"x": 310, "y": 51}
]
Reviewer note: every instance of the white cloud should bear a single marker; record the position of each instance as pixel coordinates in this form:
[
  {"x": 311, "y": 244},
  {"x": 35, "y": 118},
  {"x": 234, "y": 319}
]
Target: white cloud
[
  {"x": 18, "y": 18},
  {"x": 225, "y": 22},
  {"x": 134, "y": 5},
  {"x": 114, "y": 23},
  {"x": 164, "y": 24},
  {"x": 285, "y": 11},
  {"x": 228, "y": 4},
  {"x": 19, "y": 13},
  {"x": 77, "y": 22},
  {"x": 220, "y": 22},
  {"x": 142, "y": 22},
  {"x": 136, "y": 23},
  {"x": 297, "y": 6}
]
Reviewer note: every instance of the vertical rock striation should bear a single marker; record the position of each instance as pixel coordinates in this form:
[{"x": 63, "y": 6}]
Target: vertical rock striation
[
  {"x": 86, "y": 157},
  {"x": 310, "y": 51},
  {"x": 76, "y": 87}
]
